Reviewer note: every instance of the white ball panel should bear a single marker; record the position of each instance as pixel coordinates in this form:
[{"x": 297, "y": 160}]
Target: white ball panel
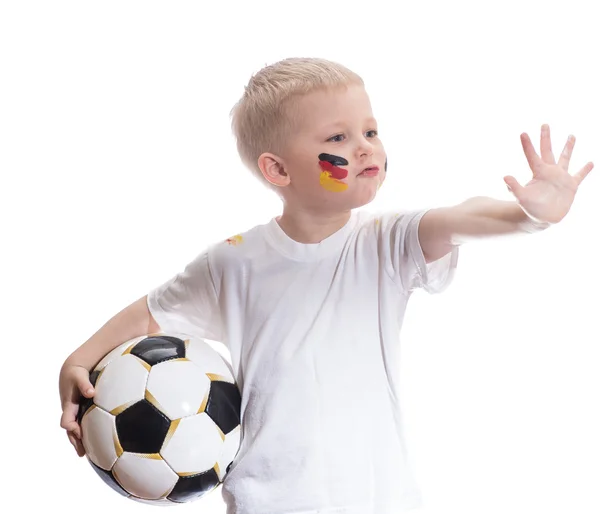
[
  {"x": 208, "y": 359},
  {"x": 145, "y": 477},
  {"x": 99, "y": 434},
  {"x": 179, "y": 387},
  {"x": 123, "y": 381},
  {"x": 229, "y": 450},
  {"x": 114, "y": 353},
  {"x": 195, "y": 446}
]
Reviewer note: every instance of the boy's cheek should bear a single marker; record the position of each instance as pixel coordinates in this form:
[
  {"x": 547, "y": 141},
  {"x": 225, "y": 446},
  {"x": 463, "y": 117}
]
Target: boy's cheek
[{"x": 332, "y": 175}]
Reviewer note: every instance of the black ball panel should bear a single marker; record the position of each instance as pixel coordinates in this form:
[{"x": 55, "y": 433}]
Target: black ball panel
[
  {"x": 109, "y": 479},
  {"x": 142, "y": 428},
  {"x": 157, "y": 349},
  {"x": 224, "y": 404},
  {"x": 193, "y": 487},
  {"x": 86, "y": 403},
  {"x": 94, "y": 376}
]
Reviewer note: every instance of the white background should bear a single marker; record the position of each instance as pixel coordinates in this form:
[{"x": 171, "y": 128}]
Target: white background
[{"x": 118, "y": 167}]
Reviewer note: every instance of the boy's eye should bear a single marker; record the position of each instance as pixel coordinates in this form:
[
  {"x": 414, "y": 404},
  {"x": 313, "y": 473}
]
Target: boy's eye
[{"x": 333, "y": 138}]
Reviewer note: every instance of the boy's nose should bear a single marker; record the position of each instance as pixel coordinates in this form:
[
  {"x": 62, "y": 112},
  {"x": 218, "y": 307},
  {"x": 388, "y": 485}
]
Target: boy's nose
[{"x": 365, "y": 149}]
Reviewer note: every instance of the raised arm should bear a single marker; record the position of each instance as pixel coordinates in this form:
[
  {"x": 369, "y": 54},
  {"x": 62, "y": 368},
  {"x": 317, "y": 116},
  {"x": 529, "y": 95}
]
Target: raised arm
[{"x": 545, "y": 200}]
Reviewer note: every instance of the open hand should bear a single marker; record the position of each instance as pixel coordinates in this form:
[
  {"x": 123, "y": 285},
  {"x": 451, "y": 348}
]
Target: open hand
[{"x": 548, "y": 196}]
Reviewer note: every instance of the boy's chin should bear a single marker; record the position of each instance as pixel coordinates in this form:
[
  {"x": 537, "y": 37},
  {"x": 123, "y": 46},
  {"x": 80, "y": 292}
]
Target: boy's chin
[
  {"x": 362, "y": 200},
  {"x": 354, "y": 204}
]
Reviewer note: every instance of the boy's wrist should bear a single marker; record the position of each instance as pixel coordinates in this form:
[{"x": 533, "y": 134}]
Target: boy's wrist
[{"x": 532, "y": 225}]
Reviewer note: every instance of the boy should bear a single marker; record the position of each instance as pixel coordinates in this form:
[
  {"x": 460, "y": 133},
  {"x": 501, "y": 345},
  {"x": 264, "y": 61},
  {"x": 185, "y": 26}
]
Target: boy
[{"x": 310, "y": 304}]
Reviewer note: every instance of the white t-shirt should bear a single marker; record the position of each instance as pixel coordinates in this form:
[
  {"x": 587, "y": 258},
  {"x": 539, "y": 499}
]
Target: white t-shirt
[{"x": 313, "y": 331}]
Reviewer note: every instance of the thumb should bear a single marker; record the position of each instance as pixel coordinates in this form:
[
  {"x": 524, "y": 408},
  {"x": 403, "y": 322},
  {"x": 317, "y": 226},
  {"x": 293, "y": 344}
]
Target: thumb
[
  {"x": 82, "y": 379},
  {"x": 513, "y": 186}
]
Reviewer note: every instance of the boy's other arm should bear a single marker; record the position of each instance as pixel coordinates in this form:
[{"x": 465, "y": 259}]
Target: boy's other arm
[
  {"x": 474, "y": 219},
  {"x": 133, "y": 321}
]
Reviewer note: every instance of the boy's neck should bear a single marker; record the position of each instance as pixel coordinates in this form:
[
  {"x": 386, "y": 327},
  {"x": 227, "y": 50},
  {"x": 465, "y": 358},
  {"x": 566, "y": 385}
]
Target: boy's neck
[{"x": 308, "y": 228}]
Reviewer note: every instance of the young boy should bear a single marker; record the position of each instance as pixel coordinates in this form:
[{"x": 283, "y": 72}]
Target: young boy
[{"x": 311, "y": 304}]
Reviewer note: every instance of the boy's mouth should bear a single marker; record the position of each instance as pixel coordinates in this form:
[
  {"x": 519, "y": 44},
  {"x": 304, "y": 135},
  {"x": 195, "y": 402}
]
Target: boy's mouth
[{"x": 370, "y": 171}]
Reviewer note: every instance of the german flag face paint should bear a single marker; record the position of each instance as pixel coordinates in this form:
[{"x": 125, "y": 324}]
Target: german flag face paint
[{"x": 331, "y": 174}]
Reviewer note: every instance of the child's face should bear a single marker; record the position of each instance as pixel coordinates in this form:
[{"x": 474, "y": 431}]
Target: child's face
[{"x": 336, "y": 140}]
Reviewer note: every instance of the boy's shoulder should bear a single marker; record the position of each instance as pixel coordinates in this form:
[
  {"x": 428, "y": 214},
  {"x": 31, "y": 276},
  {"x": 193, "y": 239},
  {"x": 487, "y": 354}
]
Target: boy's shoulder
[{"x": 240, "y": 245}]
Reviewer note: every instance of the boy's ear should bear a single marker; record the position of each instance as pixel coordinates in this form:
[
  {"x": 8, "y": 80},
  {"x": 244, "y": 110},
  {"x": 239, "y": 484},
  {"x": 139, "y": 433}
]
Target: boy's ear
[{"x": 273, "y": 170}]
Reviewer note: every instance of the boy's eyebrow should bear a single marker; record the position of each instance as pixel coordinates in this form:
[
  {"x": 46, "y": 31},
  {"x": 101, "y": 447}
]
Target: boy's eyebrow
[{"x": 341, "y": 123}]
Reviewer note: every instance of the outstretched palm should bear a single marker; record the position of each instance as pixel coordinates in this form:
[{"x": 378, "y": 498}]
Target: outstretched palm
[{"x": 548, "y": 196}]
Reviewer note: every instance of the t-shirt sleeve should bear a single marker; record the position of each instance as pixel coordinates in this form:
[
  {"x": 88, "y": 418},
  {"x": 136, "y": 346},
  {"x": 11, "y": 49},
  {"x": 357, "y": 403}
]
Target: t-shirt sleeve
[
  {"x": 404, "y": 256},
  {"x": 187, "y": 303}
]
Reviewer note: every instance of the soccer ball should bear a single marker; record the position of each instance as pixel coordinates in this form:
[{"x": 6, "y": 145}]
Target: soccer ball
[{"x": 164, "y": 424}]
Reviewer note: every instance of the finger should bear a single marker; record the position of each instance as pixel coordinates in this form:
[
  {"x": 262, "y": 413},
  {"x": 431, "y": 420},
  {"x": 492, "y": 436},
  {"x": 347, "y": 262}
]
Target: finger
[
  {"x": 532, "y": 157},
  {"x": 546, "y": 145},
  {"x": 565, "y": 156},
  {"x": 513, "y": 186},
  {"x": 583, "y": 172},
  {"x": 82, "y": 379},
  {"x": 68, "y": 420},
  {"x": 77, "y": 444},
  {"x": 79, "y": 447},
  {"x": 73, "y": 428}
]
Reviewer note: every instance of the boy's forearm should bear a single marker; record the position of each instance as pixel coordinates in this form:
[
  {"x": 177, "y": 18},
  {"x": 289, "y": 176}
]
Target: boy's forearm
[
  {"x": 483, "y": 217},
  {"x": 133, "y": 321},
  {"x": 480, "y": 217}
]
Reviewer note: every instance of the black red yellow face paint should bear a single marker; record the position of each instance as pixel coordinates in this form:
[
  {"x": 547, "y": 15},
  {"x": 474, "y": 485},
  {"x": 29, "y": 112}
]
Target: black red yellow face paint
[{"x": 331, "y": 174}]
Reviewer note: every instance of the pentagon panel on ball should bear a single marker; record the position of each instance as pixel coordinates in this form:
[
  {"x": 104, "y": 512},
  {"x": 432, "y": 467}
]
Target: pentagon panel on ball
[{"x": 163, "y": 426}]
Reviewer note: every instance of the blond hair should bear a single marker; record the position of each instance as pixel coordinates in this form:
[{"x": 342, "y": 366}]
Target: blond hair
[{"x": 265, "y": 116}]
